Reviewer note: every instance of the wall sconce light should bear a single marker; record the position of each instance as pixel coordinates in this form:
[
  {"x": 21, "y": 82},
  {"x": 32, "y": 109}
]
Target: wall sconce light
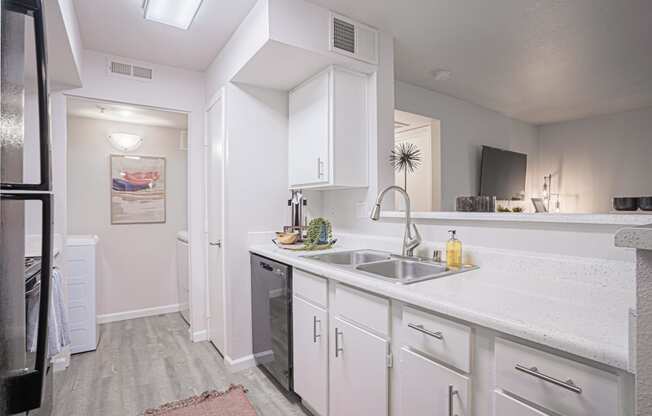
[{"x": 125, "y": 142}]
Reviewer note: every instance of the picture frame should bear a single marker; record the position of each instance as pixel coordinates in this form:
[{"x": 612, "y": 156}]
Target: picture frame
[{"x": 138, "y": 189}]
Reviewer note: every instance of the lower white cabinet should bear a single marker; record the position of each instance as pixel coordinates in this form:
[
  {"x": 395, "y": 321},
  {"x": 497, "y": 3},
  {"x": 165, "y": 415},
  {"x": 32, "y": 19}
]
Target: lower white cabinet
[
  {"x": 358, "y": 371},
  {"x": 428, "y": 388},
  {"x": 310, "y": 327},
  {"x": 507, "y": 406}
]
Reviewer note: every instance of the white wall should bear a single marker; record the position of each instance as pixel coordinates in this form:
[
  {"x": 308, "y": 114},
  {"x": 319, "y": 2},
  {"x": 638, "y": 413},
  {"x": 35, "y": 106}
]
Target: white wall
[
  {"x": 594, "y": 159},
  {"x": 465, "y": 127},
  {"x": 256, "y": 193},
  {"x": 137, "y": 267},
  {"x": 175, "y": 89}
]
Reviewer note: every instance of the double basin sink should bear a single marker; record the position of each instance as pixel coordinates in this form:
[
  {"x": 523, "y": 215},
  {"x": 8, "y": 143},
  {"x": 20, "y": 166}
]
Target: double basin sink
[{"x": 389, "y": 267}]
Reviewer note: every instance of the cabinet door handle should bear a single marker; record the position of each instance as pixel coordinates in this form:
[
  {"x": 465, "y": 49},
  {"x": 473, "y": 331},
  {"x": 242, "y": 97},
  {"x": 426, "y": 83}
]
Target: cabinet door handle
[
  {"x": 315, "y": 335},
  {"x": 451, "y": 393},
  {"x": 534, "y": 372},
  {"x": 338, "y": 349},
  {"x": 320, "y": 168},
  {"x": 420, "y": 328}
]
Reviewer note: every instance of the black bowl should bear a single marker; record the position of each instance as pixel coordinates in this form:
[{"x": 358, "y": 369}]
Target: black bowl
[
  {"x": 625, "y": 204},
  {"x": 645, "y": 203}
]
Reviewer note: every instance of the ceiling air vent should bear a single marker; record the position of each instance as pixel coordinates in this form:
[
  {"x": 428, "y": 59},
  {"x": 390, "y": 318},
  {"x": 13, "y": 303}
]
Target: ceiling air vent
[
  {"x": 353, "y": 39},
  {"x": 141, "y": 72},
  {"x": 124, "y": 69},
  {"x": 120, "y": 68},
  {"x": 343, "y": 35}
]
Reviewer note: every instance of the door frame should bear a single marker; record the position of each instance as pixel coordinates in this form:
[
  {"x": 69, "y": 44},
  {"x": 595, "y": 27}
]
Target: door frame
[{"x": 220, "y": 96}]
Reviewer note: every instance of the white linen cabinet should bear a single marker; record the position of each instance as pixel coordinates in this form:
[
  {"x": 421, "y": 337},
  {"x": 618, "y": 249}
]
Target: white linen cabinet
[{"x": 329, "y": 131}]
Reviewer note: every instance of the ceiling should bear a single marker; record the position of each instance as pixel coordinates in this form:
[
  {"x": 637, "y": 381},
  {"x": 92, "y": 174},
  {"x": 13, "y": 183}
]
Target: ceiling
[
  {"x": 540, "y": 61},
  {"x": 103, "y": 110},
  {"x": 118, "y": 27}
]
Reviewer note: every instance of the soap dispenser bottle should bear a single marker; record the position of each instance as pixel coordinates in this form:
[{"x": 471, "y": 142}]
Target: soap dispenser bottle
[{"x": 453, "y": 251}]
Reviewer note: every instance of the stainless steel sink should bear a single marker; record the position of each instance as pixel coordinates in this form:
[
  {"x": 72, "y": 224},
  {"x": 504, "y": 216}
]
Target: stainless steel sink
[
  {"x": 390, "y": 267},
  {"x": 352, "y": 258},
  {"x": 404, "y": 270}
]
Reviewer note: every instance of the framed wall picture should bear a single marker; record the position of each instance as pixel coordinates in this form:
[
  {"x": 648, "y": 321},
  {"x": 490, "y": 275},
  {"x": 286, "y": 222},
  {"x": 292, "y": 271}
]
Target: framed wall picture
[
  {"x": 137, "y": 189},
  {"x": 539, "y": 205}
]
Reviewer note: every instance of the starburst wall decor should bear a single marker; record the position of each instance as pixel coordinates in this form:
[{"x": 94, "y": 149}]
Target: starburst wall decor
[{"x": 405, "y": 157}]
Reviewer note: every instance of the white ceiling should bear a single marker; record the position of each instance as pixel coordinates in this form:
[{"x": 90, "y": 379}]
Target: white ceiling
[
  {"x": 102, "y": 110},
  {"x": 118, "y": 27},
  {"x": 539, "y": 61},
  {"x": 536, "y": 60}
]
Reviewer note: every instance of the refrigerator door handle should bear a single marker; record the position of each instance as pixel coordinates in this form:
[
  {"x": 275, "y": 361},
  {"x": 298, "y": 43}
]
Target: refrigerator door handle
[
  {"x": 25, "y": 389},
  {"x": 34, "y": 8}
]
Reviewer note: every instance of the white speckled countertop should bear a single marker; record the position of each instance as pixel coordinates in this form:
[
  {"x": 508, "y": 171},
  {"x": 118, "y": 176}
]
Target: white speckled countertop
[{"x": 571, "y": 304}]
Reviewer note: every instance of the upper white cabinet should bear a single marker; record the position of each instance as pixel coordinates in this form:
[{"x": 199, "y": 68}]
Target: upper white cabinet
[{"x": 328, "y": 131}]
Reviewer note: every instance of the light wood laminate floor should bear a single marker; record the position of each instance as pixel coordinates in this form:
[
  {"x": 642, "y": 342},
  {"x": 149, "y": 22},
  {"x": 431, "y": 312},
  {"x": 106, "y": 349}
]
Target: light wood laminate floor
[{"x": 143, "y": 363}]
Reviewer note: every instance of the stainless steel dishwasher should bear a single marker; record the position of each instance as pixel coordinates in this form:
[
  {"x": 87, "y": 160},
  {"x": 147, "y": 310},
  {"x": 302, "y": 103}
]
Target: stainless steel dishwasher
[{"x": 271, "y": 311}]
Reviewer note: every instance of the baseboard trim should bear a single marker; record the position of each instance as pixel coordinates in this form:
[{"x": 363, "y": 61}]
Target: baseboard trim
[
  {"x": 243, "y": 363},
  {"x": 199, "y": 336},
  {"x": 137, "y": 313}
]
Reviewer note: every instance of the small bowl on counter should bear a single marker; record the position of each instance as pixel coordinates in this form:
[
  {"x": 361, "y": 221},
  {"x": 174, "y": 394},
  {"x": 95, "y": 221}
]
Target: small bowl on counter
[
  {"x": 626, "y": 203},
  {"x": 287, "y": 238}
]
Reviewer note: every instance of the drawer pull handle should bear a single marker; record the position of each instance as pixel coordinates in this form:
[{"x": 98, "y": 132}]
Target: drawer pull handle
[
  {"x": 451, "y": 392},
  {"x": 534, "y": 372},
  {"x": 338, "y": 349},
  {"x": 420, "y": 328},
  {"x": 315, "y": 335}
]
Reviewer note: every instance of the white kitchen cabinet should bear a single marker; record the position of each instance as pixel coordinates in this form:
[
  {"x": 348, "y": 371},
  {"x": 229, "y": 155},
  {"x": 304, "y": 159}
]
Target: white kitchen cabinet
[
  {"x": 310, "y": 346},
  {"x": 358, "y": 371},
  {"x": 508, "y": 406},
  {"x": 328, "y": 131},
  {"x": 428, "y": 388}
]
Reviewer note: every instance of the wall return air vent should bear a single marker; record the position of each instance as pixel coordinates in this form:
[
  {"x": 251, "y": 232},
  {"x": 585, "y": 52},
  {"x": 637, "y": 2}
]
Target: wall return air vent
[
  {"x": 353, "y": 39},
  {"x": 123, "y": 69}
]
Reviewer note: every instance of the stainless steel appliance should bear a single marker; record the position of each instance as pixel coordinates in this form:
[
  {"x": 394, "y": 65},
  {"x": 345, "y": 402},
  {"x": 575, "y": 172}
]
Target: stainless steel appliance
[
  {"x": 271, "y": 310},
  {"x": 25, "y": 206},
  {"x": 298, "y": 221}
]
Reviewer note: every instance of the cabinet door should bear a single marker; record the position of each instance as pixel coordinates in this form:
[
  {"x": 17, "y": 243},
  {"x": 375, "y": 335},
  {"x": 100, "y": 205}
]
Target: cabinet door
[
  {"x": 309, "y": 132},
  {"x": 359, "y": 374},
  {"x": 310, "y": 349},
  {"x": 428, "y": 388}
]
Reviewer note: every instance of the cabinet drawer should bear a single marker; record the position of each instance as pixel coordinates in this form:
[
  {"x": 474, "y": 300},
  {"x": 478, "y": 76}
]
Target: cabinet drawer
[
  {"x": 310, "y": 287},
  {"x": 507, "y": 406},
  {"x": 368, "y": 310},
  {"x": 438, "y": 337},
  {"x": 561, "y": 385}
]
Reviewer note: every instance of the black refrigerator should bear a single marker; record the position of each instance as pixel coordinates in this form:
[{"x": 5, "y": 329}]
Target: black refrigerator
[{"x": 25, "y": 209}]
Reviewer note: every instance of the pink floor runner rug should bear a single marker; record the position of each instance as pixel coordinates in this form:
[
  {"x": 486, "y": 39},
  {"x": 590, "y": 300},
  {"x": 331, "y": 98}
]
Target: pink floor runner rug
[{"x": 233, "y": 402}]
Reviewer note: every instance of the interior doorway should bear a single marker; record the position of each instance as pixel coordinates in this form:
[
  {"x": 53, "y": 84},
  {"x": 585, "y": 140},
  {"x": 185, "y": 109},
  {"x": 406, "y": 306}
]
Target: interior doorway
[{"x": 127, "y": 183}]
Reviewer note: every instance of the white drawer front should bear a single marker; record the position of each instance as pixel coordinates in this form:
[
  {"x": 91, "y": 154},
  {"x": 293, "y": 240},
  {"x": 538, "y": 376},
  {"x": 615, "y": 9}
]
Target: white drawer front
[
  {"x": 507, "y": 406},
  {"x": 310, "y": 287},
  {"x": 364, "y": 308},
  {"x": 598, "y": 393},
  {"x": 438, "y": 337}
]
